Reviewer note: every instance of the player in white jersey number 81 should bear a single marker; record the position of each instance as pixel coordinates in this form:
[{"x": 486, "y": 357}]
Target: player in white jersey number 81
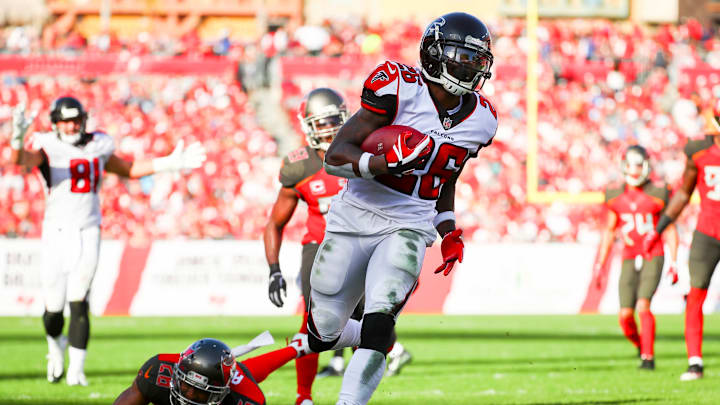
[{"x": 72, "y": 161}]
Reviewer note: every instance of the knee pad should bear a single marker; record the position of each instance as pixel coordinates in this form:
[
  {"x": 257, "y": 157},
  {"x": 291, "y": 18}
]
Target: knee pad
[
  {"x": 317, "y": 345},
  {"x": 79, "y": 331},
  {"x": 53, "y": 322},
  {"x": 377, "y": 331},
  {"x": 314, "y": 341}
]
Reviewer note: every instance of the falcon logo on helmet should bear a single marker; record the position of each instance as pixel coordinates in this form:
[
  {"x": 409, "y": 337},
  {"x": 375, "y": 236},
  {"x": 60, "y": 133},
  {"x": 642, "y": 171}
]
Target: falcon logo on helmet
[
  {"x": 321, "y": 115},
  {"x": 636, "y": 166},
  {"x": 68, "y": 109},
  {"x": 455, "y": 53}
]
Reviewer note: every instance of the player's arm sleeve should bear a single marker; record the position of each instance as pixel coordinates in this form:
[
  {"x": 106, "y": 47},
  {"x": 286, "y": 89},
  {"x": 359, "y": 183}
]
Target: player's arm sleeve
[
  {"x": 380, "y": 90},
  {"x": 109, "y": 148},
  {"x": 146, "y": 377}
]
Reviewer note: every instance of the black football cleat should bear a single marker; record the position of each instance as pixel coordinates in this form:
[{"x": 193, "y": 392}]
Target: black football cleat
[
  {"x": 336, "y": 368},
  {"x": 694, "y": 372},
  {"x": 647, "y": 364}
]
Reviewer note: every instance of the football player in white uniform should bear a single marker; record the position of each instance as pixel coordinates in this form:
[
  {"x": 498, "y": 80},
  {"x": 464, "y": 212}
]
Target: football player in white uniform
[
  {"x": 395, "y": 204},
  {"x": 72, "y": 162}
]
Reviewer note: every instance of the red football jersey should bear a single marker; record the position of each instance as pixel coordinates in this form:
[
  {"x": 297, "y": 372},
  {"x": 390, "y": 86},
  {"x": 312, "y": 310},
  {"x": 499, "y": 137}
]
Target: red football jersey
[
  {"x": 638, "y": 211},
  {"x": 303, "y": 172},
  {"x": 706, "y": 156}
]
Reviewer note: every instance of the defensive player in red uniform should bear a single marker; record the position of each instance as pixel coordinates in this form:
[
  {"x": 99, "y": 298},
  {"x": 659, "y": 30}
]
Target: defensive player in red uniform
[
  {"x": 635, "y": 208},
  {"x": 206, "y": 373},
  {"x": 702, "y": 170},
  {"x": 302, "y": 176}
]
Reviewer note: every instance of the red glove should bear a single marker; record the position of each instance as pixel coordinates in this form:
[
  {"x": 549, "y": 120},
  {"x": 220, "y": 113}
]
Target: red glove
[
  {"x": 649, "y": 241},
  {"x": 673, "y": 274},
  {"x": 404, "y": 159},
  {"x": 452, "y": 250}
]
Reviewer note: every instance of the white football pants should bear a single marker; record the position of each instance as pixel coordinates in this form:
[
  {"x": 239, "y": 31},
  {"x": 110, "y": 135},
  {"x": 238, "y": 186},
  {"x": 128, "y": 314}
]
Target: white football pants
[
  {"x": 70, "y": 259},
  {"x": 385, "y": 268}
]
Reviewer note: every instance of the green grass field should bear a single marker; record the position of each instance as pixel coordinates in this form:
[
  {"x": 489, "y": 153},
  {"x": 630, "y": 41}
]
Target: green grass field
[{"x": 579, "y": 359}]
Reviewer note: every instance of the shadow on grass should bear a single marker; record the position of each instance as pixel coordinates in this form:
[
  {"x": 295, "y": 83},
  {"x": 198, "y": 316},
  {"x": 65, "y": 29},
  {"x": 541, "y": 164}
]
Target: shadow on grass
[
  {"x": 593, "y": 402},
  {"x": 65, "y": 401},
  {"x": 174, "y": 334},
  {"x": 145, "y": 335},
  {"x": 571, "y": 361},
  {"x": 34, "y": 375}
]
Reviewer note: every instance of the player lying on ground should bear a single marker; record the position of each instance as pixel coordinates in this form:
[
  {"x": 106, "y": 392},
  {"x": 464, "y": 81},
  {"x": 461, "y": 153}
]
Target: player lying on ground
[
  {"x": 71, "y": 162},
  {"x": 206, "y": 373}
]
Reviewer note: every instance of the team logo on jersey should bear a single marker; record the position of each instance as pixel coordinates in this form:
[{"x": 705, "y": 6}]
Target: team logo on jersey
[
  {"x": 317, "y": 187},
  {"x": 447, "y": 122},
  {"x": 381, "y": 75}
]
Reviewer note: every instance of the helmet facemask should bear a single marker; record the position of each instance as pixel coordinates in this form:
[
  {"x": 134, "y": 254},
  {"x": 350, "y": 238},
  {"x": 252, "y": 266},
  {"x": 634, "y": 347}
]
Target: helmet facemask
[
  {"x": 462, "y": 68},
  {"x": 202, "y": 374},
  {"x": 320, "y": 129},
  {"x": 635, "y": 168},
  {"x": 67, "y": 109},
  {"x": 192, "y": 388},
  {"x": 72, "y": 138}
]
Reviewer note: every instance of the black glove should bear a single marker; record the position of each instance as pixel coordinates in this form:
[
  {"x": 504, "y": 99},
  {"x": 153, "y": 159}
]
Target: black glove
[{"x": 277, "y": 284}]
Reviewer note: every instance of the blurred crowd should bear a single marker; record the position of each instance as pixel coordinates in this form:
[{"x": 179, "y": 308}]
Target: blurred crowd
[{"x": 603, "y": 85}]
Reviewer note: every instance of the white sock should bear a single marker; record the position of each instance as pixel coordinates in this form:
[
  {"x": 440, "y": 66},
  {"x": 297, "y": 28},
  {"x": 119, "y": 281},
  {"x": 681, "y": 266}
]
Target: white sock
[
  {"x": 77, "y": 359},
  {"x": 362, "y": 377},
  {"x": 54, "y": 348},
  {"x": 350, "y": 336},
  {"x": 396, "y": 350},
  {"x": 337, "y": 362},
  {"x": 695, "y": 361}
]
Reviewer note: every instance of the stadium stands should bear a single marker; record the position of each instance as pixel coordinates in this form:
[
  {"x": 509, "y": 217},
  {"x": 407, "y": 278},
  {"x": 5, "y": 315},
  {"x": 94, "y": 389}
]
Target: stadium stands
[{"x": 615, "y": 83}]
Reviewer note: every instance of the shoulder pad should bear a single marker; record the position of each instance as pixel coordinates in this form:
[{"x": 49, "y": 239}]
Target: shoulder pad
[
  {"x": 298, "y": 165},
  {"x": 613, "y": 192},
  {"x": 485, "y": 103},
  {"x": 383, "y": 80},
  {"x": 660, "y": 191},
  {"x": 695, "y": 146},
  {"x": 39, "y": 139}
]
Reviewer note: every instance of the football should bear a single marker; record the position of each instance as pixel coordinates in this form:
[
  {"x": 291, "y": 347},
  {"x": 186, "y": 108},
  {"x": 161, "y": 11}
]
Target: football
[{"x": 382, "y": 139}]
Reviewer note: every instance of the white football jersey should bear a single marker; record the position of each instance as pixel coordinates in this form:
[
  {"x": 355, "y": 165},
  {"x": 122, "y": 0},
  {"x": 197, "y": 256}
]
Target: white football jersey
[
  {"x": 72, "y": 178},
  {"x": 398, "y": 90}
]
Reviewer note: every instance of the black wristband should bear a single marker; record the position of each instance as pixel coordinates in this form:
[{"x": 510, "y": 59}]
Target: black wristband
[
  {"x": 663, "y": 223},
  {"x": 274, "y": 268}
]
